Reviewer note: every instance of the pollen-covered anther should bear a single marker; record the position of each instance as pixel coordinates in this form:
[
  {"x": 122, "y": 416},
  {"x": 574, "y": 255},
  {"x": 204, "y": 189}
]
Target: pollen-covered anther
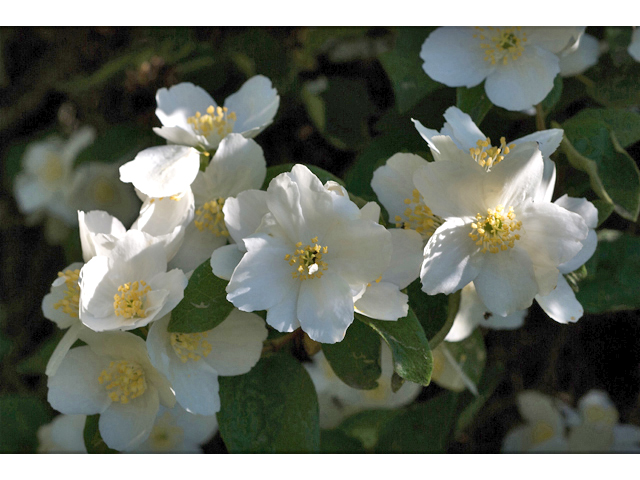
[
  {"x": 70, "y": 304},
  {"x": 130, "y": 302},
  {"x": 307, "y": 260},
  {"x": 190, "y": 346},
  {"x": 418, "y": 216},
  {"x": 124, "y": 381},
  {"x": 219, "y": 120},
  {"x": 211, "y": 217},
  {"x": 495, "y": 231},
  {"x": 487, "y": 155},
  {"x": 501, "y": 44}
]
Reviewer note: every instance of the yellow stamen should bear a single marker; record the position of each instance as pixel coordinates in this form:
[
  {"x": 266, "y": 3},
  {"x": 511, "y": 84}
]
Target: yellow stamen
[
  {"x": 541, "y": 432},
  {"x": 495, "y": 231},
  {"x": 211, "y": 217},
  {"x": 190, "y": 346},
  {"x": 487, "y": 156},
  {"x": 419, "y": 218},
  {"x": 70, "y": 304},
  {"x": 308, "y": 260},
  {"x": 218, "y": 120},
  {"x": 130, "y": 304},
  {"x": 501, "y": 44},
  {"x": 125, "y": 379}
]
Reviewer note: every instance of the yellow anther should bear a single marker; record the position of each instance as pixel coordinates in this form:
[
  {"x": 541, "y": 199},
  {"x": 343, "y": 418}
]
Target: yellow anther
[
  {"x": 211, "y": 217},
  {"x": 308, "y": 260},
  {"x": 70, "y": 304},
  {"x": 124, "y": 381},
  {"x": 495, "y": 231},
  {"x": 418, "y": 216},
  {"x": 190, "y": 346},
  {"x": 486, "y": 155},
  {"x": 541, "y": 432},
  {"x": 217, "y": 120},
  {"x": 601, "y": 415},
  {"x": 501, "y": 44},
  {"x": 52, "y": 170},
  {"x": 130, "y": 302}
]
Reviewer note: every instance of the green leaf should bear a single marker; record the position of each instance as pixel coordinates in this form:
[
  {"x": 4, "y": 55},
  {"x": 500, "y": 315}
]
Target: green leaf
[
  {"x": 274, "y": 171},
  {"x": 625, "y": 123},
  {"x": 204, "y": 305},
  {"x": 36, "y": 364},
  {"x": 273, "y": 408},
  {"x": 473, "y": 101},
  {"x": 615, "y": 85},
  {"x": 435, "y": 312},
  {"x": 421, "y": 428},
  {"x": 605, "y": 209},
  {"x": 404, "y": 67},
  {"x": 613, "y": 274},
  {"x": 470, "y": 404},
  {"x": 20, "y": 417},
  {"x": 336, "y": 441},
  {"x": 92, "y": 439},
  {"x": 356, "y": 359},
  {"x": 591, "y": 146},
  {"x": 553, "y": 96},
  {"x": 366, "y": 425},
  {"x": 412, "y": 358}
]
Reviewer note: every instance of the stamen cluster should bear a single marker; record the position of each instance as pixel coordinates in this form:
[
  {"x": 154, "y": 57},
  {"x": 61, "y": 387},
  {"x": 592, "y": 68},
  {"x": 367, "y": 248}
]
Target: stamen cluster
[
  {"x": 486, "y": 155},
  {"x": 308, "y": 260},
  {"x": 126, "y": 381},
  {"x": 500, "y": 44},
  {"x": 217, "y": 119},
  {"x": 70, "y": 304},
  {"x": 190, "y": 346},
  {"x": 419, "y": 217},
  {"x": 131, "y": 303},
  {"x": 495, "y": 231},
  {"x": 211, "y": 217}
]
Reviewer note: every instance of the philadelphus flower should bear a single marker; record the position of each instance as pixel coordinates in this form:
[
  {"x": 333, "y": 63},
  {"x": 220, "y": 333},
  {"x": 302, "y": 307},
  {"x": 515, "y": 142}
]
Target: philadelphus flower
[
  {"x": 112, "y": 376},
  {"x": 65, "y": 434},
  {"x": 583, "y": 57},
  {"x": 337, "y": 400},
  {"x": 191, "y": 117},
  {"x": 518, "y": 63},
  {"x": 494, "y": 233},
  {"x": 193, "y": 361},
  {"x": 129, "y": 287},
  {"x": 305, "y": 253},
  {"x": 43, "y": 185},
  {"x": 237, "y": 165}
]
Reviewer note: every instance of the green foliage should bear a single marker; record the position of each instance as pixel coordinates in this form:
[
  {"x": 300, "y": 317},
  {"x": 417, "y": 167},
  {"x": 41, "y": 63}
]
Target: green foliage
[
  {"x": 336, "y": 441},
  {"x": 404, "y": 68},
  {"x": 553, "y": 97},
  {"x": 470, "y": 354},
  {"x": 421, "y": 428},
  {"x": 613, "y": 274},
  {"x": 36, "y": 363},
  {"x": 20, "y": 417},
  {"x": 469, "y": 405},
  {"x": 356, "y": 359},
  {"x": 412, "y": 358},
  {"x": 435, "y": 312},
  {"x": 273, "y": 408},
  {"x": 204, "y": 305},
  {"x": 120, "y": 143},
  {"x": 366, "y": 425},
  {"x": 473, "y": 101},
  {"x": 92, "y": 439}
]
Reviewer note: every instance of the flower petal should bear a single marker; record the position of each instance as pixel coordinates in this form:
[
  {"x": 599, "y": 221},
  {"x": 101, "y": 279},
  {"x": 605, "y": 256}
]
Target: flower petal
[
  {"x": 561, "y": 304},
  {"x": 179, "y": 102},
  {"x": 461, "y": 128},
  {"x": 225, "y": 259},
  {"x": 255, "y": 105},
  {"x": 383, "y": 301}
]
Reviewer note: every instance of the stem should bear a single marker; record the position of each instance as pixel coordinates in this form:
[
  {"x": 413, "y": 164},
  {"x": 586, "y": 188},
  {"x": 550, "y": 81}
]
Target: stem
[
  {"x": 539, "y": 118},
  {"x": 277, "y": 343}
]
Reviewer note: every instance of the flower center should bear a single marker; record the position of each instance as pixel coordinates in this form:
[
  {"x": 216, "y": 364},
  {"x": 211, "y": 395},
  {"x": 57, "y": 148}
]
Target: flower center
[
  {"x": 541, "y": 432},
  {"x": 487, "y": 156},
  {"x": 124, "y": 381},
  {"x": 70, "y": 304},
  {"x": 166, "y": 434},
  {"x": 52, "y": 169},
  {"x": 210, "y": 216},
  {"x": 495, "y": 231},
  {"x": 218, "y": 120},
  {"x": 130, "y": 304},
  {"x": 308, "y": 260},
  {"x": 501, "y": 44},
  {"x": 598, "y": 414},
  {"x": 190, "y": 346},
  {"x": 419, "y": 217}
]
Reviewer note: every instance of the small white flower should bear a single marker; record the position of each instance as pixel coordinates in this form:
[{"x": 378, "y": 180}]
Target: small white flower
[
  {"x": 237, "y": 165},
  {"x": 310, "y": 256},
  {"x": 65, "y": 434},
  {"x": 193, "y": 361},
  {"x": 337, "y": 400},
  {"x": 495, "y": 234},
  {"x": 583, "y": 57},
  {"x": 178, "y": 431},
  {"x": 191, "y": 117},
  {"x": 43, "y": 185},
  {"x": 518, "y": 63},
  {"x": 98, "y": 230},
  {"x": 129, "y": 287},
  {"x": 112, "y": 376}
]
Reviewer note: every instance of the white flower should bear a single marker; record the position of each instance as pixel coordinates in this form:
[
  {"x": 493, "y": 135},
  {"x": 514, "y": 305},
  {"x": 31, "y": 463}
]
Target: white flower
[
  {"x": 191, "y": 117},
  {"x": 237, "y": 165},
  {"x": 98, "y": 230},
  {"x": 43, "y": 185},
  {"x": 518, "y": 63},
  {"x": 112, "y": 376},
  {"x": 96, "y": 186},
  {"x": 65, "y": 434},
  {"x": 495, "y": 234},
  {"x": 193, "y": 361},
  {"x": 129, "y": 287},
  {"x": 634, "y": 46},
  {"x": 310, "y": 256},
  {"x": 178, "y": 431},
  {"x": 544, "y": 428},
  {"x": 337, "y": 400},
  {"x": 584, "y": 56}
]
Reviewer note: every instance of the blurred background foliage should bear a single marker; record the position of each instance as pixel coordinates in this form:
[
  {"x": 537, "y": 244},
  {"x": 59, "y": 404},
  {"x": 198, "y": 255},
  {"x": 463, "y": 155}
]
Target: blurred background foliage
[{"x": 347, "y": 99}]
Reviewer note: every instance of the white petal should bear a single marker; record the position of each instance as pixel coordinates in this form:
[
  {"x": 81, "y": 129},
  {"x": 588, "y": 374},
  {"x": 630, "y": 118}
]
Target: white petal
[
  {"x": 179, "y": 102},
  {"x": 518, "y": 440},
  {"x": 561, "y": 304},
  {"x": 582, "y": 207},
  {"x": 95, "y": 222},
  {"x": 197, "y": 246},
  {"x": 284, "y": 315},
  {"x": 236, "y": 343},
  {"x": 174, "y": 282},
  {"x": 383, "y": 301},
  {"x": 553, "y": 39},
  {"x": 178, "y": 136},
  {"x": 243, "y": 214},
  {"x": 548, "y": 140},
  {"x": 196, "y": 386},
  {"x": 125, "y": 426},
  {"x": 224, "y": 260},
  {"x": 66, "y": 342},
  {"x": 470, "y": 314},
  {"x": 461, "y": 128},
  {"x": 589, "y": 245},
  {"x": 512, "y": 321},
  {"x": 162, "y": 171},
  {"x": 451, "y": 260},
  {"x": 537, "y": 407},
  {"x": 255, "y": 105},
  {"x": 523, "y": 82},
  {"x": 452, "y": 56},
  {"x": 406, "y": 257},
  {"x": 585, "y": 56}
]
